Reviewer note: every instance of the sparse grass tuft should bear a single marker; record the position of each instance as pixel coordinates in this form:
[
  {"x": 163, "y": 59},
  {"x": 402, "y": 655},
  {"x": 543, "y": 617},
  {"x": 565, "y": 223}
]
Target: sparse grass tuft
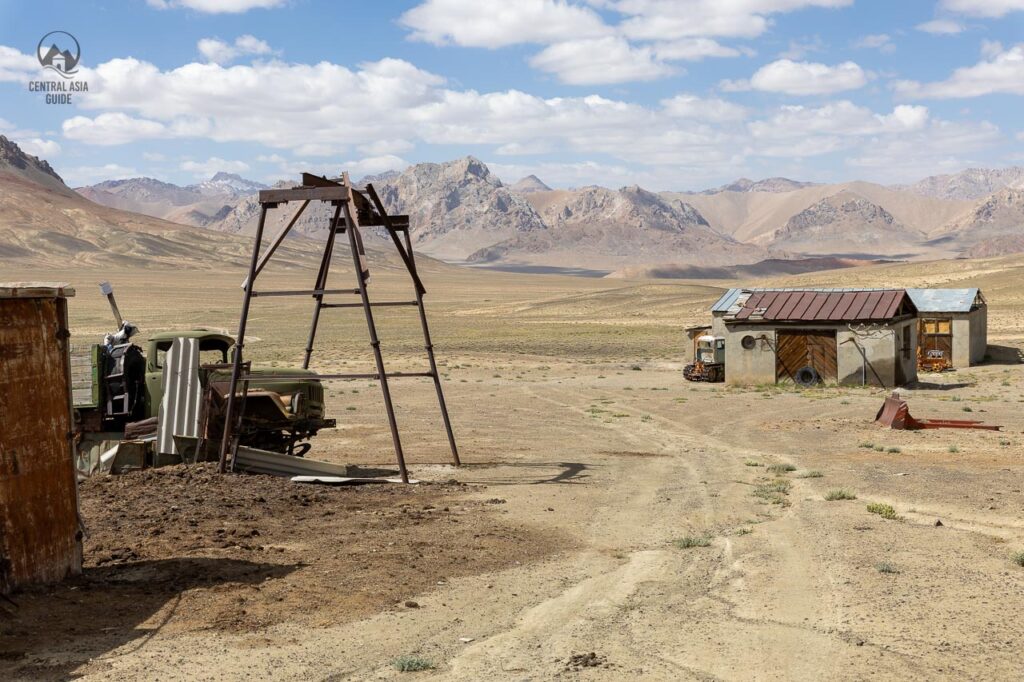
[
  {"x": 813, "y": 473},
  {"x": 411, "y": 664},
  {"x": 752, "y": 463},
  {"x": 781, "y": 468},
  {"x": 886, "y": 567},
  {"x": 866, "y": 445},
  {"x": 894, "y": 451},
  {"x": 693, "y": 541},
  {"x": 886, "y": 511},
  {"x": 967, "y": 408},
  {"x": 1018, "y": 558},
  {"x": 774, "y": 492},
  {"x": 953, "y": 448},
  {"x": 840, "y": 494}
]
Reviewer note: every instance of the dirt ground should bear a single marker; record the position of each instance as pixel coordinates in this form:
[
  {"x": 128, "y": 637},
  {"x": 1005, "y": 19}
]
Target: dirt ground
[{"x": 611, "y": 521}]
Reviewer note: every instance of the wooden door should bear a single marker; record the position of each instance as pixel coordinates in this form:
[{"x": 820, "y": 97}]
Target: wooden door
[{"x": 796, "y": 349}]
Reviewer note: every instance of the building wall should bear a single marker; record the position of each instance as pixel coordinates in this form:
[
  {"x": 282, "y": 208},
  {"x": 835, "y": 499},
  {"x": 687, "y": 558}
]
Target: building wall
[
  {"x": 872, "y": 357},
  {"x": 978, "y": 334},
  {"x": 756, "y": 366},
  {"x": 881, "y": 348}
]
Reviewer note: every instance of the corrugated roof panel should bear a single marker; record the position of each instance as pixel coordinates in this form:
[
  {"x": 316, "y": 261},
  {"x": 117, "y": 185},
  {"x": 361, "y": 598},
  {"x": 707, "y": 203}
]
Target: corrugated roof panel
[
  {"x": 870, "y": 309},
  {"x": 725, "y": 301},
  {"x": 810, "y": 305},
  {"x": 943, "y": 300}
]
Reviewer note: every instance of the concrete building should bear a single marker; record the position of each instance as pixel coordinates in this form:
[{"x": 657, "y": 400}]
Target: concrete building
[
  {"x": 953, "y": 323},
  {"x": 846, "y": 336}
]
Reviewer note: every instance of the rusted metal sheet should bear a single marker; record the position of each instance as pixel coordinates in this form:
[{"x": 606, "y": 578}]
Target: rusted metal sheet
[
  {"x": 818, "y": 306},
  {"x": 895, "y": 413},
  {"x": 39, "y": 530}
]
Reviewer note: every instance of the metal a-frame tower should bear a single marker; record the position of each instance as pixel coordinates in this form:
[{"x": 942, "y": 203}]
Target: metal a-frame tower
[{"x": 353, "y": 208}]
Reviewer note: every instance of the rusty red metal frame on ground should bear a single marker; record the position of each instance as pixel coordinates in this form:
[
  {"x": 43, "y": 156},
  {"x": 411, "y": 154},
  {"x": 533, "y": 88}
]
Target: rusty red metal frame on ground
[
  {"x": 895, "y": 413},
  {"x": 352, "y": 207}
]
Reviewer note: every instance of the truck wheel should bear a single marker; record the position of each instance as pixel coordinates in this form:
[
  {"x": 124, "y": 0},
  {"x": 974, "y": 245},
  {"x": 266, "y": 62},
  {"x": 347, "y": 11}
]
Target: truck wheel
[{"x": 806, "y": 376}]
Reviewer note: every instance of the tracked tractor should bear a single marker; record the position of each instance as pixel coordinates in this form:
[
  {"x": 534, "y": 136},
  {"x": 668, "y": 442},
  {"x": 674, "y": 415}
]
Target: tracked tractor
[{"x": 708, "y": 359}]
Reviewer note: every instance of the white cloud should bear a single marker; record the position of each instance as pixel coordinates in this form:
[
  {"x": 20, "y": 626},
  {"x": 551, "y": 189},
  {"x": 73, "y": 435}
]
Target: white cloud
[
  {"x": 694, "y": 49},
  {"x": 798, "y": 49},
  {"x": 85, "y": 175},
  {"x": 153, "y": 156},
  {"x": 600, "y": 60},
  {"x": 220, "y": 52},
  {"x": 696, "y": 108},
  {"x": 991, "y": 48},
  {"x": 672, "y": 19},
  {"x": 112, "y": 128},
  {"x": 983, "y": 8},
  {"x": 498, "y": 23},
  {"x": 523, "y": 148},
  {"x": 940, "y": 27},
  {"x": 1002, "y": 72},
  {"x": 802, "y": 78},
  {"x": 373, "y": 165},
  {"x": 940, "y": 146},
  {"x": 392, "y": 107},
  {"x": 876, "y": 41},
  {"x": 1020, "y": 136},
  {"x": 842, "y": 118},
  {"x": 216, "y": 6},
  {"x": 15, "y": 66},
  {"x": 387, "y": 146},
  {"x": 212, "y": 166},
  {"x": 37, "y": 146}
]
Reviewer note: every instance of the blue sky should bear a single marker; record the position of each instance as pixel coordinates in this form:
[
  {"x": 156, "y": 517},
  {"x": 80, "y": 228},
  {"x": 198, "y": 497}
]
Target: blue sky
[{"x": 668, "y": 94}]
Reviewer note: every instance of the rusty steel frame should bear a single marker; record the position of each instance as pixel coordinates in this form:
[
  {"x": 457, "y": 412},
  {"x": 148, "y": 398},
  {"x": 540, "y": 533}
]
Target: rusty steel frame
[{"x": 350, "y": 205}]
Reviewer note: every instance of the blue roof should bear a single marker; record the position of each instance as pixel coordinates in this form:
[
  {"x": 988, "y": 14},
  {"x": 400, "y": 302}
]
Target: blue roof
[{"x": 943, "y": 300}]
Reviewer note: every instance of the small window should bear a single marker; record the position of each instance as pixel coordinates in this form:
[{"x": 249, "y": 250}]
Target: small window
[
  {"x": 937, "y": 326},
  {"x": 747, "y": 342},
  {"x": 720, "y": 344}
]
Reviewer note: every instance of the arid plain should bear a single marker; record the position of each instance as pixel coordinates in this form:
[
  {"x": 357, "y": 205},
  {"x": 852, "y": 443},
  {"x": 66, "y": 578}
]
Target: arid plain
[{"x": 605, "y": 505}]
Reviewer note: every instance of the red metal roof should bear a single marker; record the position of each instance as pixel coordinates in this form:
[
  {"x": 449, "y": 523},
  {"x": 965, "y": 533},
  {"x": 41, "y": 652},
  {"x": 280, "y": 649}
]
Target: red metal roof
[{"x": 817, "y": 306}]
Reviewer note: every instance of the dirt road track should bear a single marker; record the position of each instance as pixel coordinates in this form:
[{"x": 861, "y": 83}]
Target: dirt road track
[{"x": 784, "y": 591}]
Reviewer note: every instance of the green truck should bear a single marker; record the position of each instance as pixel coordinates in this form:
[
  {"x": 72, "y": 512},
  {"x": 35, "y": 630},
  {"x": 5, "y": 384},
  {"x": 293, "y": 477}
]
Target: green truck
[{"x": 118, "y": 389}]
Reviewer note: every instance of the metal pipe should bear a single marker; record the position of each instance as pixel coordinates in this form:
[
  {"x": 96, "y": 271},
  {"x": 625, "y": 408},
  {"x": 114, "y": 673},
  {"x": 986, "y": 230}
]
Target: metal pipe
[
  {"x": 240, "y": 343},
  {"x": 429, "y": 346},
  {"x": 321, "y": 284}
]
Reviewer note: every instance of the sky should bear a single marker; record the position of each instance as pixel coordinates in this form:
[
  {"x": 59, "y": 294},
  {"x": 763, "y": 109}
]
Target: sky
[{"x": 667, "y": 94}]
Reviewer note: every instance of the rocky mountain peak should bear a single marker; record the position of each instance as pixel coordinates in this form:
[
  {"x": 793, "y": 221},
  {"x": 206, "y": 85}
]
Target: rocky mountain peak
[{"x": 12, "y": 157}]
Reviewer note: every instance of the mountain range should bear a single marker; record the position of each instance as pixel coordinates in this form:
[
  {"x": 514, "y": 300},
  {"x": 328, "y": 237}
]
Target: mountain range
[{"x": 462, "y": 212}]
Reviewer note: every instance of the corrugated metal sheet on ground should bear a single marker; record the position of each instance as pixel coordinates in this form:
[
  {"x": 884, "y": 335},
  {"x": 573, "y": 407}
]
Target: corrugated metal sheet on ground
[
  {"x": 943, "y": 300},
  {"x": 817, "y": 306},
  {"x": 179, "y": 409}
]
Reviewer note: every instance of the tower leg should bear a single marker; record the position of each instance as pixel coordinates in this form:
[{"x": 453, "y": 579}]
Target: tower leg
[{"x": 229, "y": 417}]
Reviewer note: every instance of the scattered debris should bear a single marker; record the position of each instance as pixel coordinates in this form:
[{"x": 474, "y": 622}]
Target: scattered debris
[{"x": 588, "y": 660}]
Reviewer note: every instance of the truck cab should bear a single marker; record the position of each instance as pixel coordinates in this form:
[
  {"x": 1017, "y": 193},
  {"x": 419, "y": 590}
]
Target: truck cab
[{"x": 213, "y": 349}]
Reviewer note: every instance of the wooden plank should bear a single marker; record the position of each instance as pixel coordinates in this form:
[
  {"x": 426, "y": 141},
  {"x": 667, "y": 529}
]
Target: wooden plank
[
  {"x": 822, "y": 355},
  {"x": 790, "y": 354},
  {"x": 36, "y": 290},
  {"x": 282, "y": 196}
]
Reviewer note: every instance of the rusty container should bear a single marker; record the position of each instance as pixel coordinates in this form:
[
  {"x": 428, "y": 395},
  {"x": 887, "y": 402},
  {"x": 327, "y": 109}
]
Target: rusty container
[{"x": 40, "y": 538}]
